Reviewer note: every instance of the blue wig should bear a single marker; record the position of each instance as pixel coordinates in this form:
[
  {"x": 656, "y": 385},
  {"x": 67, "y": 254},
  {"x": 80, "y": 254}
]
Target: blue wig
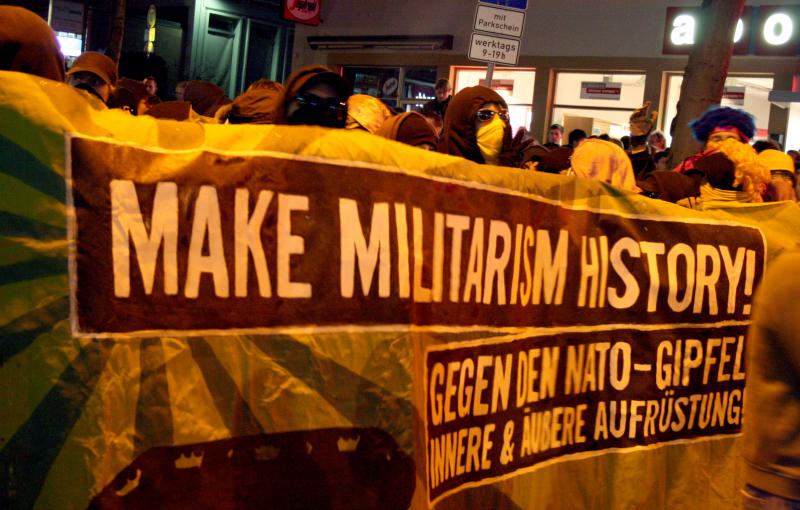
[{"x": 717, "y": 116}]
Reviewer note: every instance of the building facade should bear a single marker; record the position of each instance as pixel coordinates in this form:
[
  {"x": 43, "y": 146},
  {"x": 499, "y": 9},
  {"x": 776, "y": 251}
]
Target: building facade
[
  {"x": 230, "y": 43},
  {"x": 396, "y": 49}
]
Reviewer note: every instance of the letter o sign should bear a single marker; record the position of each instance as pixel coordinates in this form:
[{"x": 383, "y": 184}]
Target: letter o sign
[{"x": 778, "y": 29}]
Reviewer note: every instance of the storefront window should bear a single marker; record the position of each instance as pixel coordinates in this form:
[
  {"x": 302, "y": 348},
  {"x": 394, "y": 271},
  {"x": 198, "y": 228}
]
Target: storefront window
[
  {"x": 418, "y": 83},
  {"x": 515, "y": 86},
  {"x": 598, "y": 103},
  {"x": 71, "y": 44},
  {"x": 749, "y": 93},
  {"x": 406, "y": 88}
]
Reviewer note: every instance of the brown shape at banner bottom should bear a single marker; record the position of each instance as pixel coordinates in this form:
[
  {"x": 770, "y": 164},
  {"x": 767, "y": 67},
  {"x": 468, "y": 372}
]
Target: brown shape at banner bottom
[{"x": 335, "y": 468}]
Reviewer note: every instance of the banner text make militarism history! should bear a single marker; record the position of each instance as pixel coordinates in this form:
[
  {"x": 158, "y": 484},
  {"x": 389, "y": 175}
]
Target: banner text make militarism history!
[{"x": 260, "y": 241}]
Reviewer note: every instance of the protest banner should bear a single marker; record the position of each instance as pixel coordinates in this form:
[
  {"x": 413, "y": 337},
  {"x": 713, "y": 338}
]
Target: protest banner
[
  {"x": 344, "y": 245},
  {"x": 498, "y": 407},
  {"x": 205, "y": 313}
]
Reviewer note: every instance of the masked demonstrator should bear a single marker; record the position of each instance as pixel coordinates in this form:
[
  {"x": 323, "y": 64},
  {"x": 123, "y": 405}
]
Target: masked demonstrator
[
  {"x": 476, "y": 127},
  {"x": 316, "y": 96}
]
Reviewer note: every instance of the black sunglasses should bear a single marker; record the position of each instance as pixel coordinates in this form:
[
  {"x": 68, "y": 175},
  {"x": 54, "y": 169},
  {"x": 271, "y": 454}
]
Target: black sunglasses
[
  {"x": 322, "y": 103},
  {"x": 484, "y": 115}
]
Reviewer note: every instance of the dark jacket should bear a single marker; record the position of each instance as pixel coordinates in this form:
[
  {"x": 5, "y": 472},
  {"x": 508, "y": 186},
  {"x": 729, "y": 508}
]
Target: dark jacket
[
  {"x": 770, "y": 442},
  {"x": 434, "y": 106}
]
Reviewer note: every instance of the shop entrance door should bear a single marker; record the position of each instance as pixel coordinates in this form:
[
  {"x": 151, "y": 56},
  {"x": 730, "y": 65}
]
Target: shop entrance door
[
  {"x": 261, "y": 53},
  {"x": 220, "y": 57}
]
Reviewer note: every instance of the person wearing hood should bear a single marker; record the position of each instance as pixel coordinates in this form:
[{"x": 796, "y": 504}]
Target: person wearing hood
[
  {"x": 129, "y": 95},
  {"x": 28, "y": 45},
  {"x": 476, "y": 127},
  {"x": 436, "y": 123},
  {"x": 603, "y": 161},
  {"x": 316, "y": 96},
  {"x": 366, "y": 112},
  {"x": 410, "y": 128},
  {"x": 206, "y": 98},
  {"x": 261, "y": 103},
  {"x": 94, "y": 73}
]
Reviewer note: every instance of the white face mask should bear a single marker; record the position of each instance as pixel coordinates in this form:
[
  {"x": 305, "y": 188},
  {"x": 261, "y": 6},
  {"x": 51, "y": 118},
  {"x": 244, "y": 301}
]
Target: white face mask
[{"x": 490, "y": 139}]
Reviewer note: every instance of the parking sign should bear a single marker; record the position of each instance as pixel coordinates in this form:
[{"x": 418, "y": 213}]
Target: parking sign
[{"x": 514, "y": 4}]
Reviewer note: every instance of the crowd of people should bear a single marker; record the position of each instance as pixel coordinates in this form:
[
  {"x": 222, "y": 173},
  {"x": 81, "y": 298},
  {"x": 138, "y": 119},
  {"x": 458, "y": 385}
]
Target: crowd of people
[{"x": 473, "y": 123}]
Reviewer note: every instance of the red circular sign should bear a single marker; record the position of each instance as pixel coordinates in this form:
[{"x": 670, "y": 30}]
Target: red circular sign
[{"x": 303, "y": 9}]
